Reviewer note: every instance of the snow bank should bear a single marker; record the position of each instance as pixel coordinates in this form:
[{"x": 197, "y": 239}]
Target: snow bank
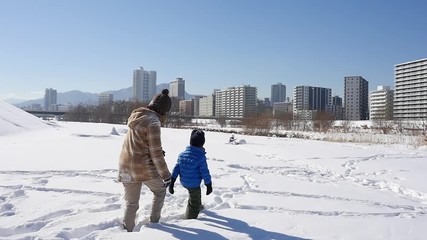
[
  {"x": 361, "y": 137},
  {"x": 14, "y": 120}
]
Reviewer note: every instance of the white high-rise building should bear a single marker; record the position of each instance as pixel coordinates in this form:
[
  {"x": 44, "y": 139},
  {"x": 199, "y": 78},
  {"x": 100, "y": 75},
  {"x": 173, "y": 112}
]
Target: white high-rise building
[
  {"x": 144, "y": 85},
  {"x": 207, "y": 106},
  {"x": 50, "y": 99},
  {"x": 356, "y": 97},
  {"x": 410, "y": 95},
  {"x": 236, "y": 102},
  {"x": 177, "y": 88},
  {"x": 381, "y": 104}
]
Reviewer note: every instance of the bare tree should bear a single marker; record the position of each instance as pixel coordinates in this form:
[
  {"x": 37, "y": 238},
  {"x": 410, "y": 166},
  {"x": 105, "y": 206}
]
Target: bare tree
[
  {"x": 257, "y": 124},
  {"x": 221, "y": 120},
  {"x": 276, "y": 123},
  {"x": 382, "y": 126},
  {"x": 287, "y": 120},
  {"x": 418, "y": 127},
  {"x": 323, "y": 122},
  {"x": 423, "y": 124},
  {"x": 399, "y": 125},
  {"x": 80, "y": 113},
  {"x": 174, "y": 121},
  {"x": 299, "y": 123},
  {"x": 346, "y": 125},
  {"x": 103, "y": 113}
]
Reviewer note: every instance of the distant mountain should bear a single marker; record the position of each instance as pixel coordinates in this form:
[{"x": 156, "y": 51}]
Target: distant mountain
[
  {"x": 76, "y": 97},
  {"x": 162, "y": 86},
  {"x": 13, "y": 100},
  {"x": 122, "y": 94}
]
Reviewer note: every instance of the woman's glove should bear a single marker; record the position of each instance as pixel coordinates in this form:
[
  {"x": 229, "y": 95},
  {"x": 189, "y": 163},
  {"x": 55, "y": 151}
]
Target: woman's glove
[
  {"x": 166, "y": 182},
  {"x": 171, "y": 191}
]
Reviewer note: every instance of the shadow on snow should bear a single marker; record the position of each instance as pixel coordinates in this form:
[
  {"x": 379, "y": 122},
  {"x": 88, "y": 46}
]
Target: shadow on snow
[{"x": 221, "y": 222}]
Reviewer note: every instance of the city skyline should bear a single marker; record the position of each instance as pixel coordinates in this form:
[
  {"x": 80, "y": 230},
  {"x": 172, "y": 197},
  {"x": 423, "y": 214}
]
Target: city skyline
[{"x": 95, "y": 46}]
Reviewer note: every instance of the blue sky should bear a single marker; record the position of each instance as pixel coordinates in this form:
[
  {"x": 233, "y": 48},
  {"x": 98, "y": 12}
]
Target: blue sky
[{"x": 94, "y": 45}]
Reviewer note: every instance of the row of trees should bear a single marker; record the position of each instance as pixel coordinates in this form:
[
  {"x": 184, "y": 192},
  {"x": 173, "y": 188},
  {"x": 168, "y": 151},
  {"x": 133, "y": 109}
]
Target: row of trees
[
  {"x": 256, "y": 124},
  {"x": 116, "y": 112}
]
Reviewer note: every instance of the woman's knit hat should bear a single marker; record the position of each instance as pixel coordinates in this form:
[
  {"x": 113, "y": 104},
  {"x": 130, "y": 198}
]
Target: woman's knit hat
[
  {"x": 161, "y": 103},
  {"x": 197, "y": 138}
]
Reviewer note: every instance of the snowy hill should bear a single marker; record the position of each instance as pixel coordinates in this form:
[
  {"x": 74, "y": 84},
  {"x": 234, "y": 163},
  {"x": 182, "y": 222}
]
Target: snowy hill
[{"x": 13, "y": 120}]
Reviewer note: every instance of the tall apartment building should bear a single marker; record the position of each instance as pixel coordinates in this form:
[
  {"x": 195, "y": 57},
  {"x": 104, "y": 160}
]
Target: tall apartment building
[
  {"x": 278, "y": 93},
  {"x": 186, "y": 107},
  {"x": 174, "y": 104},
  {"x": 196, "y": 104},
  {"x": 144, "y": 85},
  {"x": 177, "y": 88},
  {"x": 236, "y": 102},
  {"x": 207, "y": 106},
  {"x": 308, "y": 100},
  {"x": 356, "y": 97},
  {"x": 105, "y": 98},
  {"x": 410, "y": 96},
  {"x": 267, "y": 102},
  {"x": 50, "y": 99},
  {"x": 381, "y": 104},
  {"x": 337, "y": 108}
]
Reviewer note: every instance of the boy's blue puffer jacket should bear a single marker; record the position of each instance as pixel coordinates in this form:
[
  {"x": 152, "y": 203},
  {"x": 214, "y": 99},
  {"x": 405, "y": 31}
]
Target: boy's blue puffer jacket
[{"x": 192, "y": 167}]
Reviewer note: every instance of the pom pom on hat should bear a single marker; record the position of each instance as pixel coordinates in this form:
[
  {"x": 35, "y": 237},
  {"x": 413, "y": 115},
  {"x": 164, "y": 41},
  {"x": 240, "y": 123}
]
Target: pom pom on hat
[{"x": 161, "y": 103}]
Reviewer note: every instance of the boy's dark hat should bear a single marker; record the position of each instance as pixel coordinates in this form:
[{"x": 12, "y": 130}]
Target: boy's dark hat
[{"x": 197, "y": 138}]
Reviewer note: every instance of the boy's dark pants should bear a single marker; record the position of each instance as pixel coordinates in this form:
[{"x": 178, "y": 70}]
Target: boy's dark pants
[{"x": 194, "y": 203}]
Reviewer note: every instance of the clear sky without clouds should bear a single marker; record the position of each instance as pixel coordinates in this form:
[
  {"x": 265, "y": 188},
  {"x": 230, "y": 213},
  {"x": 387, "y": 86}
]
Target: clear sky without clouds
[{"x": 94, "y": 45}]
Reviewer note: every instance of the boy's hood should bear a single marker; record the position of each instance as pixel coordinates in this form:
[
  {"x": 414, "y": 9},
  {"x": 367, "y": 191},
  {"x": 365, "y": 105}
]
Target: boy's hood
[{"x": 197, "y": 150}]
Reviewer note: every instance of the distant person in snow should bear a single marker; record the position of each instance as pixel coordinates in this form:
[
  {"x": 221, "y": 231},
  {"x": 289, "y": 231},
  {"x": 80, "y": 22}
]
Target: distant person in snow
[
  {"x": 142, "y": 159},
  {"x": 232, "y": 138},
  {"x": 192, "y": 168}
]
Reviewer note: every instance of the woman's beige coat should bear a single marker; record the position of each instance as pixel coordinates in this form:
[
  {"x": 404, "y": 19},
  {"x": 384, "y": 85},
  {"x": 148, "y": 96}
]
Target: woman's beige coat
[{"x": 142, "y": 157}]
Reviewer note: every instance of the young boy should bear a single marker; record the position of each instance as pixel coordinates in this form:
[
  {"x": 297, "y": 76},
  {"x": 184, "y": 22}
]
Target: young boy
[{"x": 192, "y": 168}]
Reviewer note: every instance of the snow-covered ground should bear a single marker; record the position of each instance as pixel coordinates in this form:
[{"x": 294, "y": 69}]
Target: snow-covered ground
[{"x": 57, "y": 181}]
